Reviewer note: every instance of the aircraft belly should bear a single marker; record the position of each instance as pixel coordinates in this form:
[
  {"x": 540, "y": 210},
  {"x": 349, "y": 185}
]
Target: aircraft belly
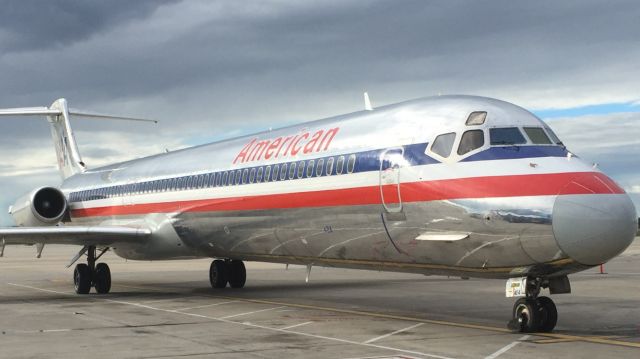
[{"x": 497, "y": 241}]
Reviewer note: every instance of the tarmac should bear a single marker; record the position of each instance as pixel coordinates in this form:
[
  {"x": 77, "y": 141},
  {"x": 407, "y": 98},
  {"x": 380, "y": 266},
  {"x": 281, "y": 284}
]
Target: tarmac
[{"x": 168, "y": 310}]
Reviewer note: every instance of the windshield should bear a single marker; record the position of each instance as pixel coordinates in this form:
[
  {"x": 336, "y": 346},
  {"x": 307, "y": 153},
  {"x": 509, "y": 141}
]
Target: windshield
[{"x": 506, "y": 136}]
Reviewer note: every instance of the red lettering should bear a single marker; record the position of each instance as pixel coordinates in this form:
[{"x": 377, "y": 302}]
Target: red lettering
[
  {"x": 328, "y": 137},
  {"x": 258, "y": 150},
  {"x": 282, "y": 145},
  {"x": 312, "y": 143},
  {"x": 294, "y": 150},
  {"x": 272, "y": 147},
  {"x": 243, "y": 155},
  {"x": 286, "y": 152}
]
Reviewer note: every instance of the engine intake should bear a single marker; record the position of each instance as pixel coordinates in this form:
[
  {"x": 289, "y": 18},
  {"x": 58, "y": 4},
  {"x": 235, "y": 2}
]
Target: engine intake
[{"x": 44, "y": 206}]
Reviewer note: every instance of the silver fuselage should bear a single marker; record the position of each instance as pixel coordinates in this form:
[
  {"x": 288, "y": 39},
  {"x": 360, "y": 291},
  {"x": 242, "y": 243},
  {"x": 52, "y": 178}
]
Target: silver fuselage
[{"x": 496, "y": 211}]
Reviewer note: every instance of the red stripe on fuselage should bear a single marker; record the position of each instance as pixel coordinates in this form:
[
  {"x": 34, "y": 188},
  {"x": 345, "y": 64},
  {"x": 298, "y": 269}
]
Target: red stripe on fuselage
[{"x": 474, "y": 187}]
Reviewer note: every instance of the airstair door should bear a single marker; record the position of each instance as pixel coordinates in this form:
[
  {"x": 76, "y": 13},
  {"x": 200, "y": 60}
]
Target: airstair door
[{"x": 391, "y": 162}]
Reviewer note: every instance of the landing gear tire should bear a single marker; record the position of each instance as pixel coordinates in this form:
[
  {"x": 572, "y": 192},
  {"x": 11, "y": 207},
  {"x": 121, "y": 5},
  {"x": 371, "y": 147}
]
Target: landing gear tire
[
  {"x": 548, "y": 314},
  {"x": 237, "y": 274},
  {"x": 82, "y": 278},
  {"x": 102, "y": 278},
  {"x": 526, "y": 316},
  {"x": 218, "y": 274}
]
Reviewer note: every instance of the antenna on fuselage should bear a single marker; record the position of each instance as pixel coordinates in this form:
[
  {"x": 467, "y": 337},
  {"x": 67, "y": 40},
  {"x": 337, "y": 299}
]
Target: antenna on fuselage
[{"x": 367, "y": 102}]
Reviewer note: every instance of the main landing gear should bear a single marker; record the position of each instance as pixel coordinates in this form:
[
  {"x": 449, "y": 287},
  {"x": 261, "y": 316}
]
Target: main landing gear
[
  {"x": 533, "y": 313},
  {"x": 91, "y": 274},
  {"x": 229, "y": 271}
]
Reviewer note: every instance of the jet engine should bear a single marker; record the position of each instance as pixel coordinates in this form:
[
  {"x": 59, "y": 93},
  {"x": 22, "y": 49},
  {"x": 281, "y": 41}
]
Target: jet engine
[{"x": 45, "y": 206}]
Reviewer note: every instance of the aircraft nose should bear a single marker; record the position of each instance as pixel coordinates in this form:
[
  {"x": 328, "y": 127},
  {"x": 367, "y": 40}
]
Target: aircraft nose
[{"x": 593, "y": 228}]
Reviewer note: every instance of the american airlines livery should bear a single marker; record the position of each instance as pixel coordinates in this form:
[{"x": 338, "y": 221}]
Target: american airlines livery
[{"x": 449, "y": 185}]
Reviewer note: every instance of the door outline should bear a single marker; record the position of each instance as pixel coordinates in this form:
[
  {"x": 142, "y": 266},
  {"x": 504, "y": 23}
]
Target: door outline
[{"x": 395, "y": 167}]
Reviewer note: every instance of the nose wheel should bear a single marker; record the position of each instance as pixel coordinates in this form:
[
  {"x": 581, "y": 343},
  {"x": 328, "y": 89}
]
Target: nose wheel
[{"x": 533, "y": 313}]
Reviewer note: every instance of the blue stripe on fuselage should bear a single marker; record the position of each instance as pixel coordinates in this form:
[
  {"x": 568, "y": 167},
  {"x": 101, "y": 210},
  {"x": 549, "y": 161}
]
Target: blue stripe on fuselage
[{"x": 515, "y": 152}]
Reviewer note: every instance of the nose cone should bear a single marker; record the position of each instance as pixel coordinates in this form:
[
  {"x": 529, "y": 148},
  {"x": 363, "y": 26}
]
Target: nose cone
[{"x": 593, "y": 228}]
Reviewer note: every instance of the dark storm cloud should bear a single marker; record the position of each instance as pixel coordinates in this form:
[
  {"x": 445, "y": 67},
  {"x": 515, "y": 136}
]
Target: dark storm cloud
[
  {"x": 399, "y": 47},
  {"x": 35, "y": 25}
]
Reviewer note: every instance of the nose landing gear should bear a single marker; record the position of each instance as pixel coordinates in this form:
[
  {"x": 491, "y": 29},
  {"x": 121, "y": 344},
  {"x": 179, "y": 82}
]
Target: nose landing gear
[{"x": 533, "y": 313}]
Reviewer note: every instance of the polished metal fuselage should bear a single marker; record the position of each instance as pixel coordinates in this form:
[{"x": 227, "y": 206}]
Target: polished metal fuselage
[{"x": 482, "y": 235}]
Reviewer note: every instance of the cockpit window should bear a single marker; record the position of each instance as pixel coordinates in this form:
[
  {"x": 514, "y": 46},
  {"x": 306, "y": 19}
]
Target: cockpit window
[
  {"x": 443, "y": 144},
  {"x": 470, "y": 141},
  {"x": 506, "y": 136},
  {"x": 537, "y": 136},
  {"x": 553, "y": 136},
  {"x": 476, "y": 118}
]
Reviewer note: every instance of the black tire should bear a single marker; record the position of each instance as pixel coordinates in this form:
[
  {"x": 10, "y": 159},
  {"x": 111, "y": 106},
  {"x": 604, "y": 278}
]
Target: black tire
[
  {"x": 237, "y": 274},
  {"x": 82, "y": 278},
  {"x": 526, "y": 315},
  {"x": 548, "y": 314},
  {"x": 218, "y": 274},
  {"x": 102, "y": 278}
]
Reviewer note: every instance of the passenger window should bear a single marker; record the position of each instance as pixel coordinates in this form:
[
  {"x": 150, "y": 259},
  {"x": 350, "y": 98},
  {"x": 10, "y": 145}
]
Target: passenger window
[
  {"x": 259, "y": 177},
  {"x": 245, "y": 175},
  {"x": 330, "y": 166},
  {"x": 292, "y": 170},
  {"x": 267, "y": 173},
  {"x": 537, "y": 135},
  {"x": 351, "y": 163},
  {"x": 339, "y": 165},
  {"x": 238, "y": 177},
  {"x": 506, "y": 136},
  {"x": 283, "y": 172},
  {"x": 310, "y": 168},
  {"x": 320, "y": 167},
  {"x": 275, "y": 173},
  {"x": 476, "y": 118},
  {"x": 301, "y": 169},
  {"x": 252, "y": 175},
  {"x": 232, "y": 174},
  {"x": 470, "y": 141},
  {"x": 201, "y": 181},
  {"x": 225, "y": 176}
]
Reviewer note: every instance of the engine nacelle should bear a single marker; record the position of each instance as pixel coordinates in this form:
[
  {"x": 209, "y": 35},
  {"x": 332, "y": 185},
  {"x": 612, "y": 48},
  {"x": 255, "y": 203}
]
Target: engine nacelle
[{"x": 45, "y": 206}]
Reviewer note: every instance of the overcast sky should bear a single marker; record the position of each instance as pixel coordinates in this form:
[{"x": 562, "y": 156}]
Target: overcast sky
[{"x": 213, "y": 69}]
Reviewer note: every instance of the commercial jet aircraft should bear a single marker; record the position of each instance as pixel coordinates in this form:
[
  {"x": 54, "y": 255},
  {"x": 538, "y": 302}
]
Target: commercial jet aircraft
[{"x": 448, "y": 185}]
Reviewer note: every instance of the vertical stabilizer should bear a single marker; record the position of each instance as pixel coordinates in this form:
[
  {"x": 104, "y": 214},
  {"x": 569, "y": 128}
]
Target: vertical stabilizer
[{"x": 67, "y": 154}]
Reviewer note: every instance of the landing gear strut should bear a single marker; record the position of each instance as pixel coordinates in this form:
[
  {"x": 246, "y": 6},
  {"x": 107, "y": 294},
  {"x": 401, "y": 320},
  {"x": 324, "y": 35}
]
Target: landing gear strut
[
  {"x": 228, "y": 271},
  {"x": 90, "y": 275},
  {"x": 533, "y": 313}
]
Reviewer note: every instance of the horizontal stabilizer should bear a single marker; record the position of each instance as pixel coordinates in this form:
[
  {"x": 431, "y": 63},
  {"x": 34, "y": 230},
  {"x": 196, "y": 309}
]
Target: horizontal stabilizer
[
  {"x": 76, "y": 235},
  {"x": 45, "y": 111}
]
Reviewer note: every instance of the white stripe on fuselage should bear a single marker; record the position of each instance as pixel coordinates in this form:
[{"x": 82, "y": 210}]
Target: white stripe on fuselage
[{"x": 431, "y": 172}]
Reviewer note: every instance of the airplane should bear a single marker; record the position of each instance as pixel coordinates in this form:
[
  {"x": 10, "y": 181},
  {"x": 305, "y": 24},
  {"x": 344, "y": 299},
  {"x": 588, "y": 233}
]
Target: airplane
[{"x": 448, "y": 185}]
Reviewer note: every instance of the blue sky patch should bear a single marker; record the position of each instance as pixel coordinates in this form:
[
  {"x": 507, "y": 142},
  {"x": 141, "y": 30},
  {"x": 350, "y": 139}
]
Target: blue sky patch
[{"x": 602, "y": 109}]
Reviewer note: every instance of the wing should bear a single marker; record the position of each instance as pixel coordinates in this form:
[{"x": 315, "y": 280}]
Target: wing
[{"x": 78, "y": 235}]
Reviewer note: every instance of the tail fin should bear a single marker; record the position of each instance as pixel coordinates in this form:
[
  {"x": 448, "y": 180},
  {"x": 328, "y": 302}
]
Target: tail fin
[{"x": 68, "y": 156}]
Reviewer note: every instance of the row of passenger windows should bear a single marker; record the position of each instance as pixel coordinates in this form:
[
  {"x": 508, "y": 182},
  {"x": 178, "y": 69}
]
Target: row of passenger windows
[
  {"x": 474, "y": 139},
  {"x": 271, "y": 173}
]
